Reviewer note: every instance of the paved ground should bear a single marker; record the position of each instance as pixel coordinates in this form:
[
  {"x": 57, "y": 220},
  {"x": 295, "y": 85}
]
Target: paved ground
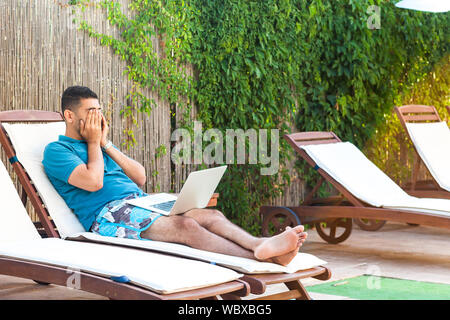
[{"x": 397, "y": 250}]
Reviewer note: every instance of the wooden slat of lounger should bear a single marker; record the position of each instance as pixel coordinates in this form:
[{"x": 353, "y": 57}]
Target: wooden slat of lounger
[
  {"x": 435, "y": 193},
  {"x": 316, "y": 137},
  {"x": 421, "y": 117},
  {"x": 296, "y": 140},
  {"x": 410, "y": 113},
  {"x": 322, "y": 213},
  {"x": 30, "y": 116},
  {"x": 416, "y": 108},
  {"x": 311, "y": 135}
]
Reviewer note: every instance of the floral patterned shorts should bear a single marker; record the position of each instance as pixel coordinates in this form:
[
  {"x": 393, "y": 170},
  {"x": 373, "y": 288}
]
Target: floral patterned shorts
[{"x": 123, "y": 220}]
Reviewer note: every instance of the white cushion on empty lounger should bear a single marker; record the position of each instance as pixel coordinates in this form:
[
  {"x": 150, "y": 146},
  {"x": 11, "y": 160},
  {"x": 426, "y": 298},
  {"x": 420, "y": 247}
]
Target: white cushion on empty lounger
[
  {"x": 302, "y": 261},
  {"x": 29, "y": 141},
  {"x": 15, "y": 224},
  {"x": 428, "y": 205},
  {"x": 158, "y": 272},
  {"x": 432, "y": 142},
  {"x": 350, "y": 167}
]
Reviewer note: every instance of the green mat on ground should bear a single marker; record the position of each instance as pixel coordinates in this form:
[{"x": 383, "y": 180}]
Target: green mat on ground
[{"x": 368, "y": 287}]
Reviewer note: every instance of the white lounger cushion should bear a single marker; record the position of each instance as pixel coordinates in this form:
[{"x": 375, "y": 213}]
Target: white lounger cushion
[
  {"x": 302, "y": 261},
  {"x": 350, "y": 167},
  {"x": 432, "y": 142},
  {"x": 158, "y": 272},
  {"x": 15, "y": 224},
  {"x": 29, "y": 141}
]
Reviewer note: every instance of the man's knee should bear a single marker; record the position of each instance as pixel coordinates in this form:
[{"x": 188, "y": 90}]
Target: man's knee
[
  {"x": 212, "y": 216},
  {"x": 215, "y": 213},
  {"x": 172, "y": 228},
  {"x": 206, "y": 217},
  {"x": 185, "y": 224}
]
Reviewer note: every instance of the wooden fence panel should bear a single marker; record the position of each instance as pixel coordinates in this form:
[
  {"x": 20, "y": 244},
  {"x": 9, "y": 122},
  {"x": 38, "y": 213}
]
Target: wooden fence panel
[{"x": 42, "y": 53}]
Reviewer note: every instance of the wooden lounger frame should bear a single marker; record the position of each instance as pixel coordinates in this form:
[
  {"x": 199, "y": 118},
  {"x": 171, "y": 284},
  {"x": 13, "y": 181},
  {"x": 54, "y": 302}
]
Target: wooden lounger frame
[
  {"x": 424, "y": 188},
  {"x": 49, "y": 274},
  {"x": 336, "y": 211},
  {"x": 255, "y": 284}
]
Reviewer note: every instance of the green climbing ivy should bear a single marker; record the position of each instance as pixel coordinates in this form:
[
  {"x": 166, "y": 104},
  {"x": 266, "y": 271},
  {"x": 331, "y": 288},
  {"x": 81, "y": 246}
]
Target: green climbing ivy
[{"x": 268, "y": 64}]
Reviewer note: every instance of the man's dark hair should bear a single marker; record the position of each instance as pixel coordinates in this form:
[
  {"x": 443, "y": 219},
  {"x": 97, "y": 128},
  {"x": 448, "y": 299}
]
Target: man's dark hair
[{"x": 72, "y": 96}]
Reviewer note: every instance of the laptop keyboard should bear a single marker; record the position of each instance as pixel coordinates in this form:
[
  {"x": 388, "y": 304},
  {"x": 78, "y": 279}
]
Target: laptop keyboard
[{"x": 166, "y": 206}]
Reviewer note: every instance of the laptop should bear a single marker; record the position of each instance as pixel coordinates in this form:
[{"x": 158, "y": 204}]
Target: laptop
[{"x": 195, "y": 193}]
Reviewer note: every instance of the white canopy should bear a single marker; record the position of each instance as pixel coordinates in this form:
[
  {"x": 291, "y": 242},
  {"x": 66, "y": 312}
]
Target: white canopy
[{"x": 425, "y": 5}]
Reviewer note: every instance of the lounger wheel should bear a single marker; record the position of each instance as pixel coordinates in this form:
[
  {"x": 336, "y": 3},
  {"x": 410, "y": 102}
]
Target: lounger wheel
[
  {"x": 369, "y": 224},
  {"x": 335, "y": 231},
  {"x": 276, "y": 219}
]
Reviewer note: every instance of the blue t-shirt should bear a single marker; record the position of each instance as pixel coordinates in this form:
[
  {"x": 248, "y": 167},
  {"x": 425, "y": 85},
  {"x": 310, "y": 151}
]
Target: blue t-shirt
[{"x": 62, "y": 157}]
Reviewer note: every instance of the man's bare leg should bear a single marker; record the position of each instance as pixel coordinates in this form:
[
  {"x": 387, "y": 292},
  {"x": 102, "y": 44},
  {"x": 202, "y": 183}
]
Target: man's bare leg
[
  {"x": 185, "y": 230},
  {"x": 265, "y": 249},
  {"x": 214, "y": 221},
  {"x": 208, "y": 229}
]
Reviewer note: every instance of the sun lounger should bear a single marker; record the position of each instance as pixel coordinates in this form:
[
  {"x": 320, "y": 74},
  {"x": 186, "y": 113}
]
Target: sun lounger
[
  {"x": 431, "y": 140},
  {"x": 24, "y": 144},
  {"x": 107, "y": 270},
  {"x": 365, "y": 192}
]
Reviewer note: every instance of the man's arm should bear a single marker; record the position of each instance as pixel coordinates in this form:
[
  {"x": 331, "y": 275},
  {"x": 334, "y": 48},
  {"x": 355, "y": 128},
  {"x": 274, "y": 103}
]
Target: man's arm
[
  {"x": 133, "y": 169},
  {"x": 89, "y": 176}
]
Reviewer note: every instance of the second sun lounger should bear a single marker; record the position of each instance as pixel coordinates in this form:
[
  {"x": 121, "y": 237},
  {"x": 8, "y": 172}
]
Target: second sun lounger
[
  {"x": 365, "y": 192},
  {"x": 431, "y": 140}
]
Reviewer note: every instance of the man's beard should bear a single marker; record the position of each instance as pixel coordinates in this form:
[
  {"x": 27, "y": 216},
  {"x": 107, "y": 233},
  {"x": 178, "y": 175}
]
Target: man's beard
[{"x": 78, "y": 128}]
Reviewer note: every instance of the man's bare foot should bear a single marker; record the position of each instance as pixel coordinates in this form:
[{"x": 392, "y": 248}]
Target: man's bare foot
[
  {"x": 302, "y": 236},
  {"x": 280, "y": 244},
  {"x": 285, "y": 259}
]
